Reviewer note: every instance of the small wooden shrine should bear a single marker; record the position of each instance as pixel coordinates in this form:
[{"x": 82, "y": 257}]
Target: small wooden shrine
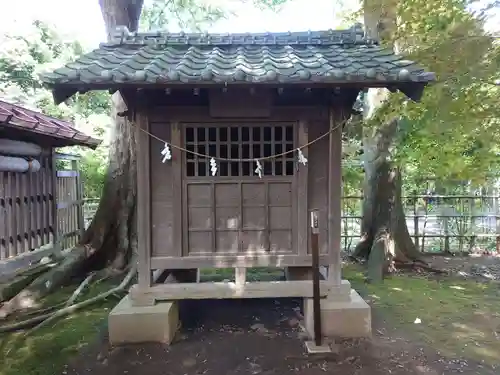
[{"x": 239, "y": 138}]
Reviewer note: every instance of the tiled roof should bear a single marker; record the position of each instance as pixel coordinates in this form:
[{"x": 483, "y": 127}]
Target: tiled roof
[
  {"x": 327, "y": 57},
  {"x": 14, "y": 116}
]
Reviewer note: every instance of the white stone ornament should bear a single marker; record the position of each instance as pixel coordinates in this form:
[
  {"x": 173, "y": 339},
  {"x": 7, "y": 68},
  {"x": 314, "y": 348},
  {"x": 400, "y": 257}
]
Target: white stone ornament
[
  {"x": 167, "y": 154},
  {"x": 213, "y": 166},
  {"x": 301, "y": 158},
  {"x": 258, "y": 170}
]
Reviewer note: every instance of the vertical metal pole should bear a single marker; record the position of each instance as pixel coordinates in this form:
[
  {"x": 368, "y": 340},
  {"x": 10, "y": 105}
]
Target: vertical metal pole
[{"x": 315, "y": 269}]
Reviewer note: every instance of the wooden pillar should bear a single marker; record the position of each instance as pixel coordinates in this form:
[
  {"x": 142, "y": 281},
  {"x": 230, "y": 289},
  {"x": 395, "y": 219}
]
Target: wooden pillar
[
  {"x": 55, "y": 195},
  {"x": 334, "y": 198},
  {"x": 302, "y": 197},
  {"x": 143, "y": 199},
  {"x": 79, "y": 197}
]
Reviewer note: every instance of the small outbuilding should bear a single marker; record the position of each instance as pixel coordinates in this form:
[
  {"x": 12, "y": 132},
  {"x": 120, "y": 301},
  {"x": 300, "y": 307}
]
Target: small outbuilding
[
  {"x": 29, "y": 184},
  {"x": 239, "y": 138}
]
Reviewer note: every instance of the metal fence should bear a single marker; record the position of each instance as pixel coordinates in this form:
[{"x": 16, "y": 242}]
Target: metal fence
[{"x": 437, "y": 223}]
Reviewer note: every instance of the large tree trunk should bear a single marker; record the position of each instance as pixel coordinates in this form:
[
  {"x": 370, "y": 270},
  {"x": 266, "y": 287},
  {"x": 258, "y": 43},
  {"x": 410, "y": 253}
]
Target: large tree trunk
[
  {"x": 111, "y": 238},
  {"x": 385, "y": 238},
  {"x": 385, "y": 241},
  {"x": 112, "y": 233}
]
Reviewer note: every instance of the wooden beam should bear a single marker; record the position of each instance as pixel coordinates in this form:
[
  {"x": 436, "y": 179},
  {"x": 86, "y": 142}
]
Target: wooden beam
[
  {"x": 240, "y": 276},
  {"x": 143, "y": 200},
  {"x": 79, "y": 197},
  {"x": 227, "y": 290},
  {"x": 302, "y": 195},
  {"x": 180, "y": 223},
  {"x": 231, "y": 261},
  {"x": 54, "y": 194},
  {"x": 334, "y": 198}
]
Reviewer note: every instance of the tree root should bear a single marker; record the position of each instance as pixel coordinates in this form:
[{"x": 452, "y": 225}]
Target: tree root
[
  {"x": 46, "y": 282},
  {"x": 419, "y": 265},
  {"x": 79, "y": 290},
  {"x": 21, "y": 280},
  {"x": 42, "y": 311},
  {"x": 45, "y": 319}
]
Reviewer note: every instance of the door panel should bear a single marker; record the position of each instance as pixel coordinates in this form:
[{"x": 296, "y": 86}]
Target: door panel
[{"x": 254, "y": 218}]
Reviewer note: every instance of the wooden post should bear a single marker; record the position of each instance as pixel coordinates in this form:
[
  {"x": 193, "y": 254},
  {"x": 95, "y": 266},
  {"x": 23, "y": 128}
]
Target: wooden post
[
  {"x": 446, "y": 231},
  {"x": 316, "y": 276},
  {"x": 334, "y": 199},
  {"x": 143, "y": 200},
  {"x": 496, "y": 210},
  {"x": 79, "y": 198},
  {"x": 55, "y": 194},
  {"x": 415, "y": 219},
  {"x": 240, "y": 275},
  {"x": 473, "y": 228}
]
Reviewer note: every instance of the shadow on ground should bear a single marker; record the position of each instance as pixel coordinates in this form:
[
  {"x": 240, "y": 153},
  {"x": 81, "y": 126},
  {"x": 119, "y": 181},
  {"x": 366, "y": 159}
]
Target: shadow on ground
[{"x": 236, "y": 337}]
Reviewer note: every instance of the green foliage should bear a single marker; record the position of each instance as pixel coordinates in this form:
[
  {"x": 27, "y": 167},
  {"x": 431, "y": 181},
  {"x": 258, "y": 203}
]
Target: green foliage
[
  {"x": 93, "y": 169},
  {"x": 452, "y": 132},
  {"x": 187, "y": 14}
]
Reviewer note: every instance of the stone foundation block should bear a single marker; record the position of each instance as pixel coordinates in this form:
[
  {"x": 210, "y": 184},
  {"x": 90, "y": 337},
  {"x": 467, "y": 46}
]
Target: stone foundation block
[
  {"x": 340, "y": 318},
  {"x": 129, "y": 324}
]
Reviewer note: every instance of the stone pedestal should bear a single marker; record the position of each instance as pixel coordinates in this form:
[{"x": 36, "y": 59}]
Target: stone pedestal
[
  {"x": 129, "y": 324},
  {"x": 343, "y": 314}
]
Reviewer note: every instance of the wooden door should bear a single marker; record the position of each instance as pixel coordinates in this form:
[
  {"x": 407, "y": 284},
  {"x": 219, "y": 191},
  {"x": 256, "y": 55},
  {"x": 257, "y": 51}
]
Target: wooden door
[{"x": 236, "y": 211}]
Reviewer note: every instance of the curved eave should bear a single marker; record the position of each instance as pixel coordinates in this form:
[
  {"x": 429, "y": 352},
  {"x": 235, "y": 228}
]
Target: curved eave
[{"x": 413, "y": 87}]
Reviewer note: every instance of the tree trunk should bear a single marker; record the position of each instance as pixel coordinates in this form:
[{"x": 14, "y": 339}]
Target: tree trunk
[
  {"x": 112, "y": 232},
  {"x": 385, "y": 238},
  {"x": 386, "y": 241}
]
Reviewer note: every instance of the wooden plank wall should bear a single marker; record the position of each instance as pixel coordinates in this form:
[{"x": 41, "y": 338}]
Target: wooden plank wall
[{"x": 28, "y": 209}]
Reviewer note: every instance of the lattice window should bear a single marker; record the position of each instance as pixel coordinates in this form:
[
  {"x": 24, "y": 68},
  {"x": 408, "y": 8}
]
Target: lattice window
[{"x": 239, "y": 142}]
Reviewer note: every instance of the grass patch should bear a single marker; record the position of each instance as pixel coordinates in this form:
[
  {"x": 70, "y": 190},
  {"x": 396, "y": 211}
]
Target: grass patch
[
  {"x": 50, "y": 348},
  {"x": 458, "y": 317}
]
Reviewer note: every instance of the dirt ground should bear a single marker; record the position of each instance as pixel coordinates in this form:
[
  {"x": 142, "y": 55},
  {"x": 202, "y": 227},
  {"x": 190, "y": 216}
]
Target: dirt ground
[
  {"x": 236, "y": 337},
  {"x": 476, "y": 266}
]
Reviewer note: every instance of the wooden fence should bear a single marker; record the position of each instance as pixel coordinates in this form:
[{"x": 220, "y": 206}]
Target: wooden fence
[{"x": 38, "y": 209}]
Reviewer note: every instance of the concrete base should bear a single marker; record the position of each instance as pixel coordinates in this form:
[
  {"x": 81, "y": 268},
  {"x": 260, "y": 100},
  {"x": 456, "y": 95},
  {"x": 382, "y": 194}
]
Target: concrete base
[
  {"x": 340, "y": 317},
  {"x": 129, "y": 324},
  {"x": 312, "y": 348}
]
